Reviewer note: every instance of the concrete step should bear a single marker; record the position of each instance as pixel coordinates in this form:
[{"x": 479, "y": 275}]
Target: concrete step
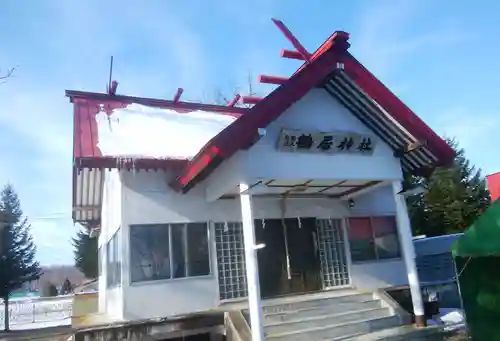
[
  {"x": 332, "y": 331},
  {"x": 321, "y": 320},
  {"x": 312, "y": 303},
  {"x": 327, "y": 309},
  {"x": 402, "y": 333},
  {"x": 343, "y": 338}
]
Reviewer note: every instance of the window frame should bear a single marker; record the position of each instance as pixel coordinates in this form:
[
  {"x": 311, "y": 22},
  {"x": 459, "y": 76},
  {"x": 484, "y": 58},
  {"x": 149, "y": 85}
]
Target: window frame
[
  {"x": 185, "y": 243},
  {"x": 100, "y": 260},
  {"x": 114, "y": 269},
  {"x": 373, "y": 239}
]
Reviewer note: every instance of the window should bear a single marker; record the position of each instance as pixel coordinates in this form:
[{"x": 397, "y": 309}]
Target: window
[
  {"x": 113, "y": 261},
  {"x": 231, "y": 265},
  {"x": 168, "y": 251},
  {"x": 373, "y": 238}
]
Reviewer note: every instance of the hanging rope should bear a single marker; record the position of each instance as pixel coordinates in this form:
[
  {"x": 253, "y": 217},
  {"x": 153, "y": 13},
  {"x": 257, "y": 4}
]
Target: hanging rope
[{"x": 285, "y": 235}]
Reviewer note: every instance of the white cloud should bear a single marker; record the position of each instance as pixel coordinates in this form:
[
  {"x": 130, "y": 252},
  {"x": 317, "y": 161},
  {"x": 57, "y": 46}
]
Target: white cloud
[
  {"x": 471, "y": 129},
  {"x": 386, "y": 34},
  {"x": 474, "y": 130},
  {"x": 39, "y": 114},
  {"x": 68, "y": 45},
  {"x": 78, "y": 39}
]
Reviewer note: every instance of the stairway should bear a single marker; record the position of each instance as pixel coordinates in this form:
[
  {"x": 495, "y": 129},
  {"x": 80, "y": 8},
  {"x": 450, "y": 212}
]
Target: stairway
[{"x": 350, "y": 317}]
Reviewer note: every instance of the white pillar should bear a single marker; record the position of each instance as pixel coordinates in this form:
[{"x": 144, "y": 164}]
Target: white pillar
[
  {"x": 408, "y": 251},
  {"x": 252, "y": 267}
]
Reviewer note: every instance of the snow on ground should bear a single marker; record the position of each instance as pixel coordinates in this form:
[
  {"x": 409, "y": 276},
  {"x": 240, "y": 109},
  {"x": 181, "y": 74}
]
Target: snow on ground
[
  {"x": 452, "y": 319},
  {"x": 40, "y": 325},
  {"x": 141, "y": 131},
  {"x": 38, "y": 313}
]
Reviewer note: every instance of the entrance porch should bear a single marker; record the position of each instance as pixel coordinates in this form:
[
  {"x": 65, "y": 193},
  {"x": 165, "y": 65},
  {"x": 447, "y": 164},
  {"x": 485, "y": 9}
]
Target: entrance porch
[
  {"x": 289, "y": 262},
  {"x": 295, "y": 256},
  {"x": 297, "y": 253},
  {"x": 301, "y": 239}
]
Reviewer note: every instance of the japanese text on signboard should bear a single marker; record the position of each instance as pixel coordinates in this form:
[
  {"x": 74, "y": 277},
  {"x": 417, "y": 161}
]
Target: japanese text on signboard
[{"x": 329, "y": 142}]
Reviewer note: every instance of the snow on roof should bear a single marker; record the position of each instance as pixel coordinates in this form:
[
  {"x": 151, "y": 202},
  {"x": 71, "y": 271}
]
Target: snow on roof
[{"x": 139, "y": 131}]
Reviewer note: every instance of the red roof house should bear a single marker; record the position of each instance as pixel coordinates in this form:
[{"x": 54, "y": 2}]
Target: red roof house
[
  {"x": 319, "y": 161},
  {"x": 331, "y": 67}
]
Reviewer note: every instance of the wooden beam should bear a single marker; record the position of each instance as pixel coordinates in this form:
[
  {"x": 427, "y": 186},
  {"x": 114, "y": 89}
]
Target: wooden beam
[
  {"x": 234, "y": 101},
  {"x": 409, "y": 148},
  {"x": 295, "y": 42},
  {"x": 251, "y": 100},
  {"x": 113, "y": 87},
  {"x": 85, "y": 97},
  {"x": 291, "y": 55},
  {"x": 178, "y": 95},
  {"x": 272, "y": 79},
  {"x": 359, "y": 188}
]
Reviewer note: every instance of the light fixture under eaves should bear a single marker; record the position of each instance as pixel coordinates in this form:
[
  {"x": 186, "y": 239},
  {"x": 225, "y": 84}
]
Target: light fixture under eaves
[{"x": 411, "y": 191}]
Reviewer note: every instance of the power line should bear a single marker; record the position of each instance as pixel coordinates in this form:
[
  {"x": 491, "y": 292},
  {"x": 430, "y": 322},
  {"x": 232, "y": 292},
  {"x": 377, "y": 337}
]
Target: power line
[{"x": 49, "y": 216}]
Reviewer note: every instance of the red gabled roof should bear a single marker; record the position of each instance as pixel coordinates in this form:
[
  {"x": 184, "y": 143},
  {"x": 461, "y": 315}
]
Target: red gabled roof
[
  {"x": 321, "y": 64},
  {"x": 88, "y": 160},
  {"x": 397, "y": 109},
  {"x": 86, "y": 154},
  {"x": 241, "y": 133}
]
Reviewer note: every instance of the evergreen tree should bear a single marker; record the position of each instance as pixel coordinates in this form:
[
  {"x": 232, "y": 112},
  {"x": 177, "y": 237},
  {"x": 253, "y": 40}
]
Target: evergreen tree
[
  {"x": 67, "y": 287},
  {"x": 455, "y": 197},
  {"x": 85, "y": 250},
  {"x": 17, "y": 250},
  {"x": 49, "y": 290}
]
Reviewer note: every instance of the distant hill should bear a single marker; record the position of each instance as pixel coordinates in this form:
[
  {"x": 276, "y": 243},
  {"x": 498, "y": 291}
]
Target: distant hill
[{"x": 56, "y": 275}]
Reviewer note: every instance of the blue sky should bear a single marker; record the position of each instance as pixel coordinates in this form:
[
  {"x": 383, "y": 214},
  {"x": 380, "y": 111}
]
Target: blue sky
[{"x": 441, "y": 58}]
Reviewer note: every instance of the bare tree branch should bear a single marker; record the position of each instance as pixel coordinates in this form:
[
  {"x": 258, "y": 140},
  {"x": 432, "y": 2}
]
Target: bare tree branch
[
  {"x": 8, "y": 74},
  {"x": 221, "y": 99}
]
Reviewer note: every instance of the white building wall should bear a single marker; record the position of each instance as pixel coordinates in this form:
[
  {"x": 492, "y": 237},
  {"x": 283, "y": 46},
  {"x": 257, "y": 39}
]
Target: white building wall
[
  {"x": 384, "y": 273},
  {"x": 319, "y": 111},
  {"x": 110, "y": 300},
  {"x": 149, "y": 200}
]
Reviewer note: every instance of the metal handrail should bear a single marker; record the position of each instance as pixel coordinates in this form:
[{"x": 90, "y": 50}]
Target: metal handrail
[{"x": 237, "y": 327}]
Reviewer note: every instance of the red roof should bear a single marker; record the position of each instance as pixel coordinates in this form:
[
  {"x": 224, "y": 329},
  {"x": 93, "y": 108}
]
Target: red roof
[
  {"x": 323, "y": 63},
  {"x": 331, "y": 66},
  {"x": 86, "y": 154},
  {"x": 493, "y": 181},
  {"x": 88, "y": 162}
]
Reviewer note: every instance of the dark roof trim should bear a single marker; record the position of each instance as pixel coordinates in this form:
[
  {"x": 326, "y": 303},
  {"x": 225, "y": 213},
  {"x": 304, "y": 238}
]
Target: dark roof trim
[
  {"x": 403, "y": 115},
  {"x": 378, "y": 120},
  {"x": 129, "y": 163},
  {"x": 160, "y": 103}
]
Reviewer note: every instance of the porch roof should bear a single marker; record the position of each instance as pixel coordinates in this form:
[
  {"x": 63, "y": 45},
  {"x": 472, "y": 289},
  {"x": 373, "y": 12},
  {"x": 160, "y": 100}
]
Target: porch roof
[{"x": 333, "y": 189}]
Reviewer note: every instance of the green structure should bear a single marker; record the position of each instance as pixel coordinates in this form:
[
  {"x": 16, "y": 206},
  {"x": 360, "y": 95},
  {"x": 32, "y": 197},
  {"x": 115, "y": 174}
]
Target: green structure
[{"x": 477, "y": 257}]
